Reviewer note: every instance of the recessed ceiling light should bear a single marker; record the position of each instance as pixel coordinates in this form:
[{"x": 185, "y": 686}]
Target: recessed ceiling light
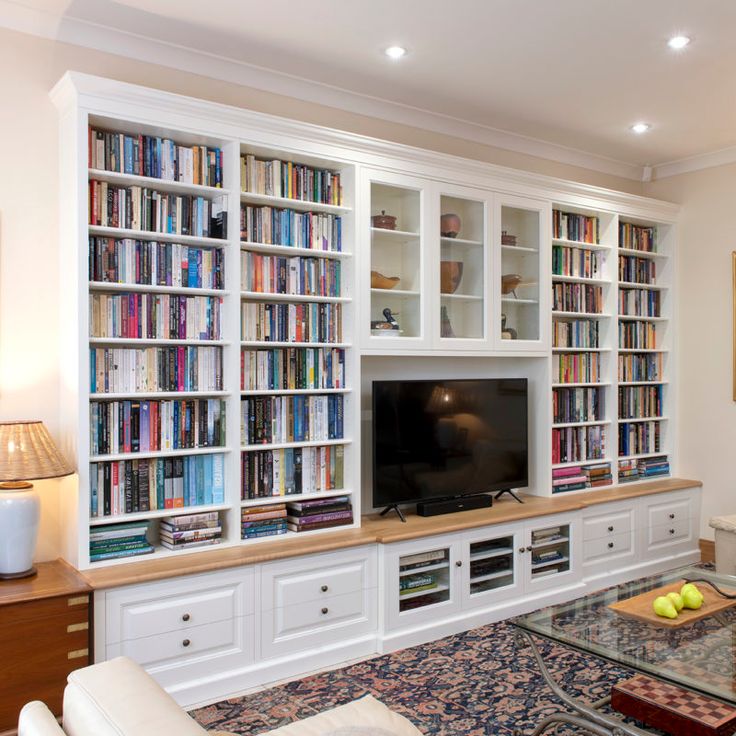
[
  {"x": 678, "y": 42},
  {"x": 640, "y": 128},
  {"x": 395, "y": 52}
]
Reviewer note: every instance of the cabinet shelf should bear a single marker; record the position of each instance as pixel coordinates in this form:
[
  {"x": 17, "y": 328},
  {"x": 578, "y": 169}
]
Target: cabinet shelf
[
  {"x": 284, "y": 344},
  {"x": 642, "y": 456},
  {"x": 460, "y": 241},
  {"x": 402, "y": 235},
  {"x": 158, "y": 453},
  {"x": 524, "y": 250},
  {"x": 462, "y": 297},
  {"x": 273, "y": 297},
  {"x": 586, "y": 461},
  {"x": 580, "y": 280},
  {"x": 580, "y": 244},
  {"x": 581, "y": 350},
  {"x": 269, "y": 500},
  {"x": 302, "y": 205},
  {"x": 581, "y": 424},
  {"x": 145, "y": 395},
  {"x": 580, "y": 315},
  {"x": 640, "y": 253},
  {"x": 549, "y": 563},
  {"x": 395, "y": 292},
  {"x": 643, "y": 350},
  {"x": 291, "y": 250},
  {"x": 582, "y": 384},
  {"x": 153, "y": 341},
  {"x": 156, "y": 514},
  {"x": 284, "y": 445},
  {"x": 550, "y": 542},
  {"x": 642, "y": 383},
  {"x": 490, "y": 554},
  {"x": 429, "y": 591},
  {"x": 491, "y": 576},
  {"x": 634, "y": 285},
  {"x": 161, "y": 185},
  {"x": 120, "y": 233},
  {"x": 147, "y": 288},
  {"x": 425, "y": 568},
  {"x": 512, "y": 300},
  {"x": 643, "y": 419},
  {"x": 293, "y": 391}
]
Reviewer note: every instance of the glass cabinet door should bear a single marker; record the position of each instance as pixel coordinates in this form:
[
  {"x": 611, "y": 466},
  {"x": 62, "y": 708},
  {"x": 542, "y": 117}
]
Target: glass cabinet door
[
  {"x": 424, "y": 579},
  {"x": 522, "y": 237},
  {"x": 463, "y": 269}
]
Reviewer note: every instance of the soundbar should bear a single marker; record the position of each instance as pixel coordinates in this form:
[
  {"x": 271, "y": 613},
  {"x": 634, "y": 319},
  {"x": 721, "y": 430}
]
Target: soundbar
[{"x": 451, "y": 505}]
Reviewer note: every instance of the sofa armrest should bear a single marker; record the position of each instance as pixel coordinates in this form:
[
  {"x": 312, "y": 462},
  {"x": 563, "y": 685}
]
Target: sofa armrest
[
  {"x": 36, "y": 719},
  {"x": 118, "y": 698}
]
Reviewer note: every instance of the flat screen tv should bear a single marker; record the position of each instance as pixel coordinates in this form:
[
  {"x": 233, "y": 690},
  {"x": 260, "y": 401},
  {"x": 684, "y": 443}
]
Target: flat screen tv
[{"x": 436, "y": 439}]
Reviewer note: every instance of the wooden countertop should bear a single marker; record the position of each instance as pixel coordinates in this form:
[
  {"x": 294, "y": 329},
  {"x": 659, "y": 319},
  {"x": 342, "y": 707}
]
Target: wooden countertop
[
  {"x": 53, "y": 579},
  {"x": 375, "y": 529}
]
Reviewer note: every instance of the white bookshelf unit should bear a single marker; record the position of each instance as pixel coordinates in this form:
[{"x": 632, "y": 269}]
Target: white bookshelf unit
[{"x": 279, "y": 259}]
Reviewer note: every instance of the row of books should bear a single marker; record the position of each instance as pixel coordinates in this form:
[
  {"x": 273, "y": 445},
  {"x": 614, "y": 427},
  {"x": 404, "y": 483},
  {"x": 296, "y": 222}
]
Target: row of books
[
  {"x": 637, "y": 237},
  {"x": 579, "y": 262},
  {"x": 642, "y": 367},
  {"x": 422, "y": 559},
  {"x": 638, "y": 438},
  {"x": 112, "y": 541},
  {"x": 303, "y": 322},
  {"x": 271, "y": 419},
  {"x": 490, "y": 566},
  {"x": 415, "y": 583},
  {"x": 292, "y": 369},
  {"x": 572, "y": 226},
  {"x": 637, "y": 335},
  {"x": 288, "y": 179},
  {"x": 576, "y": 367},
  {"x": 576, "y": 444},
  {"x": 546, "y": 556},
  {"x": 579, "y": 477},
  {"x": 141, "y": 208},
  {"x": 567, "y": 297},
  {"x": 550, "y": 535},
  {"x": 149, "y": 426},
  {"x": 295, "y": 275},
  {"x": 272, "y": 226},
  {"x": 175, "y": 368},
  {"x": 149, "y": 263},
  {"x": 639, "y": 302},
  {"x": 263, "y": 521},
  {"x": 577, "y": 405},
  {"x": 321, "y": 513},
  {"x": 637, "y": 270},
  {"x": 190, "y": 531},
  {"x": 131, "y": 486},
  {"x": 643, "y": 468},
  {"x": 640, "y": 401},
  {"x": 155, "y": 316},
  {"x": 575, "y": 333},
  {"x": 291, "y": 470},
  {"x": 160, "y": 158}
]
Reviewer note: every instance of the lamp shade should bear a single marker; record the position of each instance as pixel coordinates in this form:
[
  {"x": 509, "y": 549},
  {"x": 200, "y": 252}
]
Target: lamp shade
[{"x": 28, "y": 452}]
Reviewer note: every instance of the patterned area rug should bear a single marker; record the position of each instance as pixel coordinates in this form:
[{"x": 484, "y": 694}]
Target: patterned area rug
[{"x": 473, "y": 683}]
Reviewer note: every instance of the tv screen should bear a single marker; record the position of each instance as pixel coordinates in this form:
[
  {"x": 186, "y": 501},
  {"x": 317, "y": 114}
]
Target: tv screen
[{"x": 447, "y": 438}]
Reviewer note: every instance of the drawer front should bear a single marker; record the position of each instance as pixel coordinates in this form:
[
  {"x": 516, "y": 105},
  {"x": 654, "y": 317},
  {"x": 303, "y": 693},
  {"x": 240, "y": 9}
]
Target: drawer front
[
  {"x": 610, "y": 547},
  {"x": 177, "y": 606},
  {"x": 606, "y": 525},
  {"x": 674, "y": 511},
  {"x": 176, "y": 657},
  {"x": 319, "y": 578},
  {"x": 677, "y": 531}
]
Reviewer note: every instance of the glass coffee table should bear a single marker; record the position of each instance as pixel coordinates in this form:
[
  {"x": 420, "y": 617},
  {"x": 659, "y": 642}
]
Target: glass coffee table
[{"x": 699, "y": 656}]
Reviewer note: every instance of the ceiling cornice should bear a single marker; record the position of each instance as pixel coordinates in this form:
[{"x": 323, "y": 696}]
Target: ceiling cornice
[
  {"x": 102, "y": 38},
  {"x": 695, "y": 163}
]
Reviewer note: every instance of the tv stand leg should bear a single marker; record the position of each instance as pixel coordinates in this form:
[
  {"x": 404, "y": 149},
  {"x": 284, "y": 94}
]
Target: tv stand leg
[
  {"x": 394, "y": 507},
  {"x": 508, "y": 490}
]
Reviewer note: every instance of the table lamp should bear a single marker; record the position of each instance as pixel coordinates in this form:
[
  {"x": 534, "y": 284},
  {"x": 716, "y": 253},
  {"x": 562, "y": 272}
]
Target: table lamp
[{"x": 26, "y": 451}]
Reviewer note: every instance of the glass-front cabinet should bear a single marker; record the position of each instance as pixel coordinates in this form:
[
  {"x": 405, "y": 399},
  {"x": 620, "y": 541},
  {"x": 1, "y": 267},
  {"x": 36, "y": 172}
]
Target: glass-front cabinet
[
  {"x": 521, "y": 275},
  {"x": 551, "y": 552}
]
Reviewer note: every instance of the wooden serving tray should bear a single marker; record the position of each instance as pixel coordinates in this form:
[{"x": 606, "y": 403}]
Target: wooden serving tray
[{"x": 640, "y": 606}]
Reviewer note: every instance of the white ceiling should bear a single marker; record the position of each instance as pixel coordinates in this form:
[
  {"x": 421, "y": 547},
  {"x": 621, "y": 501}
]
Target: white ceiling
[{"x": 573, "y": 73}]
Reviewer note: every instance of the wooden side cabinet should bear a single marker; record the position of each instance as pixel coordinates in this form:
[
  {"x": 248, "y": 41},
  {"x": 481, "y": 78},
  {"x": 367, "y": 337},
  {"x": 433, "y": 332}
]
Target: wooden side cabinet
[{"x": 44, "y": 635}]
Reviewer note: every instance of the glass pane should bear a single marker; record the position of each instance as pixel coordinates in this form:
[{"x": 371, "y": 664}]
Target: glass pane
[
  {"x": 519, "y": 274},
  {"x": 462, "y": 268},
  {"x": 550, "y": 551},
  {"x": 491, "y": 564},
  {"x": 424, "y": 579},
  {"x": 395, "y": 261}
]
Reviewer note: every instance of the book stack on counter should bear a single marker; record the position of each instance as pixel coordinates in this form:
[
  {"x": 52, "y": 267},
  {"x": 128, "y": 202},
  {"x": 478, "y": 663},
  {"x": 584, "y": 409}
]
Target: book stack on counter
[
  {"x": 578, "y": 477},
  {"x": 192, "y": 530},
  {"x": 651, "y": 466},
  {"x": 548, "y": 555},
  {"x": 415, "y": 583},
  {"x": 263, "y": 521},
  {"x": 119, "y": 540},
  {"x": 323, "y": 513}
]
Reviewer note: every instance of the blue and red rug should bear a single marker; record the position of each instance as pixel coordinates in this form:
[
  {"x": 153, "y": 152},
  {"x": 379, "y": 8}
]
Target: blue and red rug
[{"x": 471, "y": 684}]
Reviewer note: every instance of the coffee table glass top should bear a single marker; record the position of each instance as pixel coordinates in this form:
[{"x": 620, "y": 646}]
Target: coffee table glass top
[{"x": 701, "y": 655}]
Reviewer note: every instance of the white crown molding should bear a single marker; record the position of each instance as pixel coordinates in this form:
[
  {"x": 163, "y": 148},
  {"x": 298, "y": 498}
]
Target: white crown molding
[
  {"x": 695, "y": 163},
  {"x": 102, "y": 38},
  {"x": 106, "y": 97}
]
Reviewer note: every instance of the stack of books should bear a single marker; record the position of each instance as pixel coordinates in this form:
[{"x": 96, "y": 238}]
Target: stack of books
[
  {"x": 119, "y": 540},
  {"x": 571, "y": 478},
  {"x": 323, "y": 513},
  {"x": 415, "y": 583},
  {"x": 263, "y": 521},
  {"x": 192, "y": 530},
  {"x": 545, "y": 556},
  {"x": 598, "y": 474},
  {"x": 628, "y": 470},
  {"x": 651, "y": 466}
]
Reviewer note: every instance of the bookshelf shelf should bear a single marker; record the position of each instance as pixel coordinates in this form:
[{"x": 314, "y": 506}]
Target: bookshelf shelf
[
  {"x": 520, "y": 249},
  {"x": 295, "y": 391},
  {"x": 275, "y": 344},
  {"x": 305, "y": 443},
  {"x": 593, "y": 423},
  {"x": 634, "y": 420},
  {"x": 582, "y": 384},
  {"x": 268, "y": 500},
  {"x": 634, "y": 285},
  {"x": 580, "y": 244},
  {"x": 153, "y": 341},
  {"x": 581, "y": 350},
  {"x": 580, "y": 280},
  {"x": 428, "y": 591},
  {"x": 642, "y": 383},
  {"x": 640, "y": 318},
  {"x": 580, "y": 315},
  {"x": 121, "y": 232},
  {"x": 401, "y": 235},
  {"x": 156, "y": 514},
  {"x": 395, "y": 292},
  {"x": 152, "y": 289},
  {"x": 289, "y": 250},
  {"x": 462, "y": 297},
  {"x": 157, "y": 453},
  {"x": 145, "y": 395},
  {"x": 300, "y": 205},
  {"x": 641, "y": 253},
  {"x": 512, "y": 300},
  {"x": 162, "y": 185},
  {"x": 272, "y": 297},
  {"x": 643, "y": 350},
  {"x": 460, "y": 241}
]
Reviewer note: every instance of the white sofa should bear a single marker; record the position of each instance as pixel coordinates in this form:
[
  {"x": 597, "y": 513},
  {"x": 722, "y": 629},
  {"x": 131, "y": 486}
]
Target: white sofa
[{"x": 118, "y": 698}]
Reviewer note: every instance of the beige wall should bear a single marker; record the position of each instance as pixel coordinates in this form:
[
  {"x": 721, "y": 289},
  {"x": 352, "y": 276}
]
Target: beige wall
[
  {"x": 707, "y": 412},
  {"x": 29, "y": 281}
]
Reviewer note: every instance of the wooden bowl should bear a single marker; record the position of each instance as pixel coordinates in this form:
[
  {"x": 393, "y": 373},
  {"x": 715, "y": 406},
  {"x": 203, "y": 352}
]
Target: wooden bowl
[
  {"x": 451, "y": 272},
  {"x": 509, "y": 282},
  {"x": 379, "y": 281}
]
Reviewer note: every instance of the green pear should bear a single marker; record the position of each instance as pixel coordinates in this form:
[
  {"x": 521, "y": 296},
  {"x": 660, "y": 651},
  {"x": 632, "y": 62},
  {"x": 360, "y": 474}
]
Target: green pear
[
  {"x": 676, "y": 599},
  {"x": 692, "y": 598},
  {"x": 663, "y": 606},
  {"x": 688, "y": 586}
]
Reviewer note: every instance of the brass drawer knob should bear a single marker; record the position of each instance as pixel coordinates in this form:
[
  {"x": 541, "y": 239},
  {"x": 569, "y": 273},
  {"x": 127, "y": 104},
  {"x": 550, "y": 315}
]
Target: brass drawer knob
[{"x": 186, "y": 643}]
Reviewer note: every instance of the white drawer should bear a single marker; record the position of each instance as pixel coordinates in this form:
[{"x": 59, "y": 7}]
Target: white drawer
[
  {"x": 176, "y": 606},
  {"x": 679, "y": 530},
  {"x": 317, "y": 578},
  {"x": 317, "y": 623},
  {"x": 176, "y": 657},
  {"x": 611, "y": 547},
  {"x": 668, "y": 512},
  {"x": 606, "y": 525}
]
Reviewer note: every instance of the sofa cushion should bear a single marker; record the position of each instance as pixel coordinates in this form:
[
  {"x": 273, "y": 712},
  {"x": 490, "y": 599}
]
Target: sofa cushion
[
  {"x": 36, "y": 719},
  {"x": 364, "y": 717},
  {"x": 118, "y": 698}
]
